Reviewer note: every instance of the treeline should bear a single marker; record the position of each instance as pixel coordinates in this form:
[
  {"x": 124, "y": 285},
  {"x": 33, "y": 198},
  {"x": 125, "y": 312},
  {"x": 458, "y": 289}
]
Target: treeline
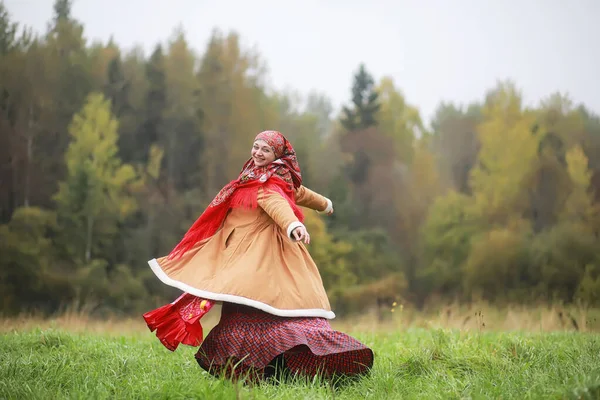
[{"x": 107, "y": 157}]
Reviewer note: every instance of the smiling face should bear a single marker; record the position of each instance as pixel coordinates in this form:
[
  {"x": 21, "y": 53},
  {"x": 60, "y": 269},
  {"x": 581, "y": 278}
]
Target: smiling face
[{"x": 262, "y": 153}]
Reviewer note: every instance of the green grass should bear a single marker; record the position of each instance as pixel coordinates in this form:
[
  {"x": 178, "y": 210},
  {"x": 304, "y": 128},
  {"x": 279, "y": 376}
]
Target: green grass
[{"x": 413, "y": 363}]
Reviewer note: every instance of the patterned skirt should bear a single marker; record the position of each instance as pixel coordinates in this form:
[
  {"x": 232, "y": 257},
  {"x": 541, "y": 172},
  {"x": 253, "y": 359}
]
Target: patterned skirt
[{"x": 249, "y": 343}]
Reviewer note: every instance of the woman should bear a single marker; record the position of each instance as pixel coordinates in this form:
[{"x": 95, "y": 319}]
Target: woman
[{"x": 247, "y": 250}]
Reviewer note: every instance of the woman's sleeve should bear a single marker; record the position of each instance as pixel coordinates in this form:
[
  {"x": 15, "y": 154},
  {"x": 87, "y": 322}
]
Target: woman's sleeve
[
  {"x": 278, "y": 208},
  {"x": 313, "y": 200}
]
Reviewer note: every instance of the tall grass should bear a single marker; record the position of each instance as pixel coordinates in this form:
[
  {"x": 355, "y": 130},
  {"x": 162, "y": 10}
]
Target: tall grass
[
  {"x": 472, "y": 317},
  {"x": 480, "y": 317}
]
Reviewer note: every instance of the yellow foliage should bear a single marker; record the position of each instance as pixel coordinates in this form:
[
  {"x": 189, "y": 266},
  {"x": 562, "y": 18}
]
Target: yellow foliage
[
  {"x": 579, "y": 205},
  {"x": 102, "y": 56},
  {"x": 329, "y": 256},
  {"x": 234, "y": 106},
  {"x": 181, "y": 83},
  {"x": 495, "y": 262},
  {"x": 398, "y": 119},
  {"x": 154, "y": 161},
  {"x": 507, "y": 155},
  {"x": 577, "y": 165},
  {"x": 425, "y": 177},
  {"x": 98, "y": 184}
]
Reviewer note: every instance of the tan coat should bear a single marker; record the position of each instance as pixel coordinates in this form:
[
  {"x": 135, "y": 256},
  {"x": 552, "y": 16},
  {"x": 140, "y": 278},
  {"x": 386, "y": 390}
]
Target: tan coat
[{"x": 252, "y": 260}]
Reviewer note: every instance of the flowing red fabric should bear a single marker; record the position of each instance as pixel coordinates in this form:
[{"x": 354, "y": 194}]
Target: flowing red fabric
[
  {"x": 179, "y": 322},
  {"x": 282, "y": 176}
]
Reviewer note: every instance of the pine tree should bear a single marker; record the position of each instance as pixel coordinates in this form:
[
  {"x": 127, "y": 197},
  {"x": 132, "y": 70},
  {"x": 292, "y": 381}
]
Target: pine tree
[
  {"x": 117, "y": 87},
  {"x": 8, "y": 31},
  {"x": 156, "y": 98},
  {"x": 365, "y": 102},
  {"x": 62, "y": 10}
]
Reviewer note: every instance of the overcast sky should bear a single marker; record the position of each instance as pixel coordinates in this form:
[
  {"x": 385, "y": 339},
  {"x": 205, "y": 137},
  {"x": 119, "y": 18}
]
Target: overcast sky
[{"x": 452, "y": 50}]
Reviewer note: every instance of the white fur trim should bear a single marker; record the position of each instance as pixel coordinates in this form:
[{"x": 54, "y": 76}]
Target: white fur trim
[
  {"x": 329, "y": 207},
  {"x": 293, "y": 226},
  {"x": 230, "y": 298}
]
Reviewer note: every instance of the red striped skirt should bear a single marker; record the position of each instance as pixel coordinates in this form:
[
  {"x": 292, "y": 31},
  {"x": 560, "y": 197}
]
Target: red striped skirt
[{"x": 247, "y": 341}]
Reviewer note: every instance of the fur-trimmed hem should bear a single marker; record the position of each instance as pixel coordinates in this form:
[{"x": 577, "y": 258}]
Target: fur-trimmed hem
[{"x": 314, "y": 312}]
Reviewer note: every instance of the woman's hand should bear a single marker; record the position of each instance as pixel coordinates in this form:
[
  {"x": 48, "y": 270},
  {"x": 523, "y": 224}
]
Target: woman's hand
[{"x": 300, "y": 233}]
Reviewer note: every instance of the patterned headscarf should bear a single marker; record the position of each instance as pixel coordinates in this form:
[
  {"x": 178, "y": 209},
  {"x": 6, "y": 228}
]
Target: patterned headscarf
[
  {"x": 285, "y": 165},
  {"x": 243, "y": 191},
  {"x": 274, "y": 139}
]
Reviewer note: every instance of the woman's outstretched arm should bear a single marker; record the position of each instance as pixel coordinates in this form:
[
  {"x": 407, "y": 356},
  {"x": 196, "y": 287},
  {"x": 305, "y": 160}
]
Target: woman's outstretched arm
[{"x": 313, "y": 200}]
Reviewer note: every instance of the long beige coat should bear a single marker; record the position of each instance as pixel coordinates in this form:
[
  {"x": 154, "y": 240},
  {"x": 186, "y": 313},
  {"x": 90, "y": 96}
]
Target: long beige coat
[{"x": 252, "y": 260}]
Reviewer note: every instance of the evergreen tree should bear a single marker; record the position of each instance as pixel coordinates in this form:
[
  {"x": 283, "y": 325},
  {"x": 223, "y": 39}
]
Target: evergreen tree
[
  {"x": 62, "y": 10},
  {"x": 365, "y": 102},
  {"x": 8, "y": 31},
  {"x": 117, "y": 87},
  {"x": 156, "y": 98}
]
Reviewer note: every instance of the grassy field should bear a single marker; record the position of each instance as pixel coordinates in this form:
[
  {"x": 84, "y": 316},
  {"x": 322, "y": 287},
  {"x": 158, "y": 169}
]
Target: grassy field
[{"x": 75, "y": 357}]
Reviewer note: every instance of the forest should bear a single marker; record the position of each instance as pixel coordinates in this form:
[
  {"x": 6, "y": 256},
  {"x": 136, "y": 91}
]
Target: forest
[{"x": 108, "y": 155}]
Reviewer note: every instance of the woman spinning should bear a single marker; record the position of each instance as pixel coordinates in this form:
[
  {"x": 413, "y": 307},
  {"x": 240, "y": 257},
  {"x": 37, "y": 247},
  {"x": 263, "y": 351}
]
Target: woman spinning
[{"x": 247, "y": 250}]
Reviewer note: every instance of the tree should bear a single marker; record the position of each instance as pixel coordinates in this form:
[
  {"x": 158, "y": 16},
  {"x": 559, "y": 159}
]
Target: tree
[
  {"x": 558, "y": 127},
  {"x": 181, "y": 138},
  {"x": 320, "y": 106},
  {"x": 366, "y": 147},
  {"x": 62, "y": 10},
  {"x": 591, "y": 146},
  {"x": 13, "y": 59},
  {"x": 117, "y": 87},
  {"x": 413, "y": 197},
  {"x": 398, "y": 120},
  {"x": 579, "y": 206},
  {"x": 8, "y": 31},
  {"x": 69, "y": 60},
  {"x": 365, "y": 103},
  {"x": 94, "y": 195},
  {"x": 66, "y": 81},
  {"x": 455, "y": 143},
  {"x": 29, "y": 279},
  {"x": 332, "y": 257},
  {"x": 548, "y": 185},
  {"x": 373, "y": 175},
  {"x": 235, "y": 107},
  {"x": 153, "y": 109},
  {"x": 506, "y": 157},
  {"x": 25, "y": 114},
  {"x": 445, "y": 243}
]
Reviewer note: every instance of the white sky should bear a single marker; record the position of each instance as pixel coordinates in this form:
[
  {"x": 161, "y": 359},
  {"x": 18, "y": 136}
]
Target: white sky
[{"x": 452, "y": 50}]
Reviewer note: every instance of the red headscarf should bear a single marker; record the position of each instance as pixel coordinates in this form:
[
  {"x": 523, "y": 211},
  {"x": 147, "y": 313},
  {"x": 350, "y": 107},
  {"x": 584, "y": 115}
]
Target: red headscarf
[{"x": 282, "y": 175}]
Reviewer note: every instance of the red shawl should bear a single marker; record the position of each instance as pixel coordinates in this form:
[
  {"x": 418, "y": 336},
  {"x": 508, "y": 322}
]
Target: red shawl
[{"x": 282, "y": 176}]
